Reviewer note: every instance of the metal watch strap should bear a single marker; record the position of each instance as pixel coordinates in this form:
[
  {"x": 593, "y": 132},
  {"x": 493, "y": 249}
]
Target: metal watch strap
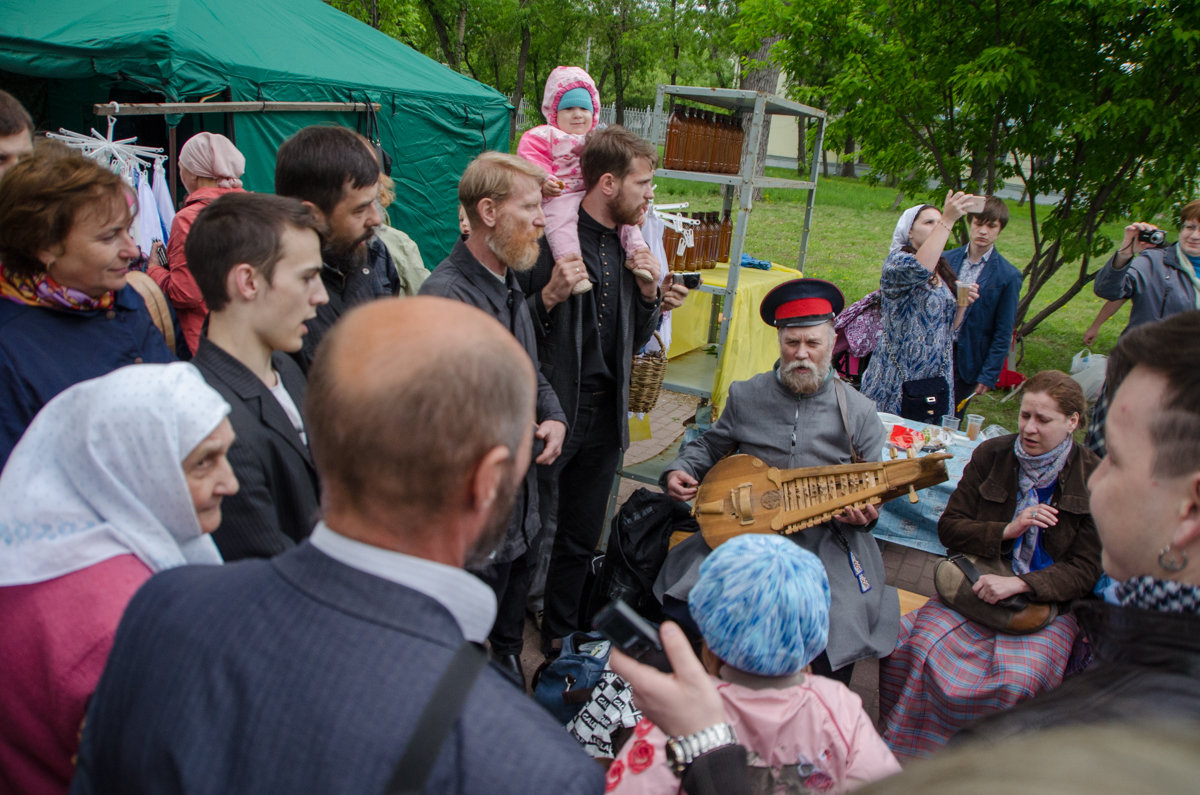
[{"x": 681, "y": 751}]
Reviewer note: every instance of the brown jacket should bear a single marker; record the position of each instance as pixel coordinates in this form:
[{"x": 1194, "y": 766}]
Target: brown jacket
[{"x": 984, "y": 503}]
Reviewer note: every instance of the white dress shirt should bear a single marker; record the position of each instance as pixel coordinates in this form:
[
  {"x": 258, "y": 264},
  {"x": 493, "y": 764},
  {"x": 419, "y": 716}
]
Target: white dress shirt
[{"x": 467, "y": 598}]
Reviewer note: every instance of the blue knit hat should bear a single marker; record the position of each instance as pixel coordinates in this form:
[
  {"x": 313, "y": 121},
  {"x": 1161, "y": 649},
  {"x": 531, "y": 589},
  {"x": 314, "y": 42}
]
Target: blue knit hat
[
  {"x": 576, "y": 98},
  {"x": 762, "y": 604}
]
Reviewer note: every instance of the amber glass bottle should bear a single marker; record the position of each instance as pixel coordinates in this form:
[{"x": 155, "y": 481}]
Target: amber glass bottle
[
  {"x": 739, "y": 138},
  {"x": 691, "y": 139},
  {"x": 726, "y": 237},
  {"x": 714, "y": 238},
  {"x": 671, "y": 151}
]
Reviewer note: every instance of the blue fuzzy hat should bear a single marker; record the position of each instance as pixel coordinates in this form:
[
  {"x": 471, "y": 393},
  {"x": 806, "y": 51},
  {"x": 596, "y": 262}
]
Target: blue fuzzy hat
[
  {"x": 762, "y": 604},
  {"x": 576, "y": 98}
]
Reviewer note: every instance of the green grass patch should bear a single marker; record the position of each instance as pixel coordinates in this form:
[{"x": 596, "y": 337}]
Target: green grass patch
[{"x": 851, "y": 230}]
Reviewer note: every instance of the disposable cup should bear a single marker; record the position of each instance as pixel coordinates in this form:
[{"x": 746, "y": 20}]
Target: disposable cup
[
  {"x": 974, "y": 424},
  {"x": 950, "y": 421}
]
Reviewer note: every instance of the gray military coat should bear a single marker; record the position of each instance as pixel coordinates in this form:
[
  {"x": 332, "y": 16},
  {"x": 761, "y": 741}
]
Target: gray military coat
[{"x": 764, "y": 419}]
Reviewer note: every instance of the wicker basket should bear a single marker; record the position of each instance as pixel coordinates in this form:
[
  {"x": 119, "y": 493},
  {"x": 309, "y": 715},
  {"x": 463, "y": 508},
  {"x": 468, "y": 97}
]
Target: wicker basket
[{"x": 646, "y": 377}]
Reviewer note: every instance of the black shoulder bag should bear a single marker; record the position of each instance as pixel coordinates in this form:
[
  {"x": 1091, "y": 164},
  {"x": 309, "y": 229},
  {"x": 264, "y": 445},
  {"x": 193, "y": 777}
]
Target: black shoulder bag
[{"x": 437, "y": 719}]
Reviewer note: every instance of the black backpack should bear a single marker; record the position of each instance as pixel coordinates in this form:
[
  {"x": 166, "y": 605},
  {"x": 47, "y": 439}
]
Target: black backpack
[{"x": 637, "y": 547}]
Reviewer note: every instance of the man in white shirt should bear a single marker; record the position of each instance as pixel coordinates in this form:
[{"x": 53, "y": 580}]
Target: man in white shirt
[
  {"x": 257, "y": 261},
  {"x": 310, "y": 672}
]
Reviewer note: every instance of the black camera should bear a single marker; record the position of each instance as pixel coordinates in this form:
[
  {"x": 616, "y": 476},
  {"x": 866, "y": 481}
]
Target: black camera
[
  {"x": 631, "y": 633},
  {"x": 690, "y": 280},
  {"x": 1155, "y": 237}
]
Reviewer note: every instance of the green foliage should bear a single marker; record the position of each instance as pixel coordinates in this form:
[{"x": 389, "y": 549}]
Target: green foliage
[
  {"x": 629, "y": 46},
  {"x": 399, "y": 19},
  {"x": 1088, "y": 102}
]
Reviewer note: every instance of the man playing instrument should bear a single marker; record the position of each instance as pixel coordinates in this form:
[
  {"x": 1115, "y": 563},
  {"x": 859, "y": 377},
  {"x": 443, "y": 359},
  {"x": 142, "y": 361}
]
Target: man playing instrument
[{"x": 801, "y": 415}]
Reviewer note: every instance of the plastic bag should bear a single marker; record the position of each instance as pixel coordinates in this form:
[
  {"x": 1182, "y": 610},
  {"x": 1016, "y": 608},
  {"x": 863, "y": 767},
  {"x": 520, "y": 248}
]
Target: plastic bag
[{"x": 1081, "y": 361}]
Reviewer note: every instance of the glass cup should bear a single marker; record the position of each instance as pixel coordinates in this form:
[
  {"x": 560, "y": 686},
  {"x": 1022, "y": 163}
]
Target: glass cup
[
  {"x": 950, "y": 422},
  {"x": 974, "y": 424},
  {"x": 964, "y": 293}
]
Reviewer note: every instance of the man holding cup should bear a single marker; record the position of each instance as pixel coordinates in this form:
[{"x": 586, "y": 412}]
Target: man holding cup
[{"x": 986, "y": 333}]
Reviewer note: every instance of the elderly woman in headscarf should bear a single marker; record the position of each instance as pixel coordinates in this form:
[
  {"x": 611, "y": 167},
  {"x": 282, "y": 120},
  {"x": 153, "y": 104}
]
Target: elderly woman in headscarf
[
  {"x": 919, "y": 311},
  {"x": 117, "y": 478},
  {"x": 209, "y": 166},
  {"x": 762, "y": 605},
  {"x": 66, "y": 310}
]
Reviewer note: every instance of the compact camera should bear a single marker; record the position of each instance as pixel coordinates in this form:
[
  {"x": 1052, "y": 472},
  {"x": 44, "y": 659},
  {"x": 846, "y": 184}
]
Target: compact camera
[
  {"x": 631, "y": 633},
  {"x": 1155, "y": 237},
  {"x": 690, "y": 280}
]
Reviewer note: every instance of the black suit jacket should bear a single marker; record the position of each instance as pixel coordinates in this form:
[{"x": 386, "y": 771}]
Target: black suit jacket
[
  {"x": 560, "y": 330},
  {"x": 302, "y": 675},
  {"x": 277, "y": 503},
  {"x": 375, "y": 278},
  {"x": 462, "y": 277}
]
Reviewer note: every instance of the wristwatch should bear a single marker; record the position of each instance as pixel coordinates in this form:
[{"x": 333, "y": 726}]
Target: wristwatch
[{"x": 682, "y": 751}]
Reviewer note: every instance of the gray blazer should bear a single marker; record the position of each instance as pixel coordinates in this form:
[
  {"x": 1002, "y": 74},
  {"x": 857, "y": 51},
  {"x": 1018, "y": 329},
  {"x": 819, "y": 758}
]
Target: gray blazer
[
  {"x": 763, "y": 419},
  {"x": 302, "y": 675},
  {"x": 1154, "y": 280}
]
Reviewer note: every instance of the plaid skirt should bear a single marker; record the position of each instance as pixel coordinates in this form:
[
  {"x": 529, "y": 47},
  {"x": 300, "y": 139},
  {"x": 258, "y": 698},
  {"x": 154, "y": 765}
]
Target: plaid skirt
[{"x": 948, "y": 671}]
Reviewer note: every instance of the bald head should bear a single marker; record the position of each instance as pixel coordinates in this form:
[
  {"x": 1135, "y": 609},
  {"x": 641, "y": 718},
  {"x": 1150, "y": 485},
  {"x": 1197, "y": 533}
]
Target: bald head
[{"x": 407, "y": 396}]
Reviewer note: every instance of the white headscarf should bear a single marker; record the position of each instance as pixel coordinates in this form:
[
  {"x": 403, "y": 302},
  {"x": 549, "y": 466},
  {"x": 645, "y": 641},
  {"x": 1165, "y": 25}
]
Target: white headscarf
[
  {"x": 903, "y": 227},
  {"x": 99, "y": 473}
]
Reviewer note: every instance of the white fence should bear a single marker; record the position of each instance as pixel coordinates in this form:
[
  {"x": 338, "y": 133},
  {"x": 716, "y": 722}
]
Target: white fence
[{"x": 638, "y": 120}]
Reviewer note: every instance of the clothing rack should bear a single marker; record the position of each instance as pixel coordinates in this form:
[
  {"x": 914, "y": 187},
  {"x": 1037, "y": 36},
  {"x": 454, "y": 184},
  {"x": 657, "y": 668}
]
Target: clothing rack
[
  {"x": 123, "y": 152},
  {"x": 140, "y": 167}
]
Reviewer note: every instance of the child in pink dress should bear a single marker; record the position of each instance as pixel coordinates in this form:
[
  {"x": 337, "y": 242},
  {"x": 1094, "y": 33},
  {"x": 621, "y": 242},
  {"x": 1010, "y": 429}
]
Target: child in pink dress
[
  {"x": 571, "y": 105},
  {"x": 762, "y": 605}
]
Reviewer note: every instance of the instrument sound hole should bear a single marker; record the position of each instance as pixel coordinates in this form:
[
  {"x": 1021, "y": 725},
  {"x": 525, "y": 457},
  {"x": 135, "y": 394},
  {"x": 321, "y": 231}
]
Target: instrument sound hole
[{"x": 770, "y": 500}]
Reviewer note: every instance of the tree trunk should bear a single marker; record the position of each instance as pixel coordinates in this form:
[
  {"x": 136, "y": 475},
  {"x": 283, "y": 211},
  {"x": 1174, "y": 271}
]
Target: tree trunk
[
  {"x": 619, "y": 85},
  {"x": 674, "y": 43},
  {"x": 802, "y": 169},
  {"x": 442, "y": 30},
  {"x": 522, "y": 61},
  {"x": 848, "y": 158},
  {"x": 765, "y": 78},
  {"x": 461, "y": 33}
]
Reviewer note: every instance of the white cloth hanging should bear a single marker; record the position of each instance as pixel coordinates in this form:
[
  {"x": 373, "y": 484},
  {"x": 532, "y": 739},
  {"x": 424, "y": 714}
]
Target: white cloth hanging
[
  {"x": 148, "y": 226},
  {"x": 162, "y": 197},
  {"x": 99, "y": 473},
  {"x": 652, "y": 232}
]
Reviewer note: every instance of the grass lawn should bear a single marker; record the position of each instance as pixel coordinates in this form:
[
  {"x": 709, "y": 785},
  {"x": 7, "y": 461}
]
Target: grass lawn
[{"x": 851, "y": 230}]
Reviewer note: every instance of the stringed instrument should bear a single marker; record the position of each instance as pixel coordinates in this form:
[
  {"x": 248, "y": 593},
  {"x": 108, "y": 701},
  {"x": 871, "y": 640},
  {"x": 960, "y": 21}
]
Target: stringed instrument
[{"x": 741, "y": 494}]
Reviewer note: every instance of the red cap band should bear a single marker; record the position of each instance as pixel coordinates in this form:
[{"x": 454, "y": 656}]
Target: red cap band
[{"x": 803, "y": 307}]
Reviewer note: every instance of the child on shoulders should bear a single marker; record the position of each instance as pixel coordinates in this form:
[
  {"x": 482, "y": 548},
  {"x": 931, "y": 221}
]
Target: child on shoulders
[{"x": 571, "y": 105}]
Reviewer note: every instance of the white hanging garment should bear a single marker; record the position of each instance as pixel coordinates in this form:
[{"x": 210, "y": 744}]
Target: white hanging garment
[
  {"x": 652, "y": 232},
  {"x": 162, "y": 197},
  {"x": 148, "y": 227}
]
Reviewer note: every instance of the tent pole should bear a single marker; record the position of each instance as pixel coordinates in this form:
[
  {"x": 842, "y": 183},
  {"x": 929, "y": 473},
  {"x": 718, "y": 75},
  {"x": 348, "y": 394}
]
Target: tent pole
[
  {"x": 172, "y": 166},
  {"x": 169, "y": 108}
]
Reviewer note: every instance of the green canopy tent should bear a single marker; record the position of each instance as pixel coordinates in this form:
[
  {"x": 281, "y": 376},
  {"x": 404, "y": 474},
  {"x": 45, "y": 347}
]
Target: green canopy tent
[{"x": 64, "y": 56}]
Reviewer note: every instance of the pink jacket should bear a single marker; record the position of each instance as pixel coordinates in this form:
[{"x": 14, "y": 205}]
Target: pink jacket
[
  {"x": 56, "y": 639},
  {"x": 549, "y": 147},
  {"x": 813, "y": 733}
]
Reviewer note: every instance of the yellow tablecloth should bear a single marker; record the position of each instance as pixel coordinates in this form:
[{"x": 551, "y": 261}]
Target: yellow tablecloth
[{"x": 752, "y": 346}]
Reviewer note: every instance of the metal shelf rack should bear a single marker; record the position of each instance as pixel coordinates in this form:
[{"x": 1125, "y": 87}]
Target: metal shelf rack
[{"x": 694, "y": 373}]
